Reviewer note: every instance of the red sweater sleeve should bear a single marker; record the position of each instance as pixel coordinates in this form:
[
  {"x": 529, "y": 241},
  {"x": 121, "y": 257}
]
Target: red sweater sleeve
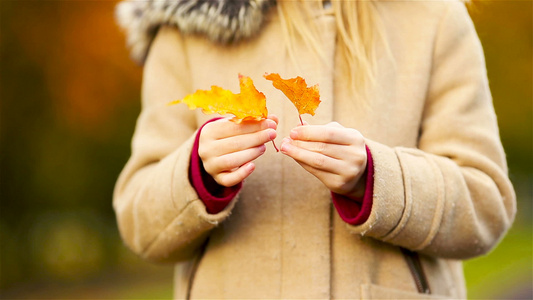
[
  {"x": 215, "y": 197},
  {"x": 355, "y": 211}
]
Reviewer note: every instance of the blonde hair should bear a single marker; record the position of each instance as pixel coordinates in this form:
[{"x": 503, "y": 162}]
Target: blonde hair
[{"x": 358, "y": 30}]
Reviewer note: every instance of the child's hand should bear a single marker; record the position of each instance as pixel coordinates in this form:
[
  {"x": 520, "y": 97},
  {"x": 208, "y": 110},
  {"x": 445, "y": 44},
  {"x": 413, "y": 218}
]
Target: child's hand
[
  {"x": 334, "y": 154},
  {"x": 227, "y": 149}
]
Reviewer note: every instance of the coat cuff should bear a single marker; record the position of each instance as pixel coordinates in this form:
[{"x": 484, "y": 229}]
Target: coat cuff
[
  {"x": 215, "y": 197},
  {"x": 388, "y": 200},
  {"x": 355, "y": 211}
]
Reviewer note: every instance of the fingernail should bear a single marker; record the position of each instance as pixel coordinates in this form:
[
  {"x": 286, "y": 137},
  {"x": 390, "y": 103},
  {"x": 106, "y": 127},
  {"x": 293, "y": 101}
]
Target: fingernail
[
  {"x": 272, "y": 134},
  {"x": 272, "y": 117},
  {"x": 285, "y": 147},
  {"x": 250, "y": 167},
  {"x": 294, "y": 134},
  {"x": 271, "y": 124}
]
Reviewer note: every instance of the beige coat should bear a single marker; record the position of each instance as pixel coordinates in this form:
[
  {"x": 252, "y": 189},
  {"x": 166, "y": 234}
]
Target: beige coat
[{"x": 440, "y": 185}]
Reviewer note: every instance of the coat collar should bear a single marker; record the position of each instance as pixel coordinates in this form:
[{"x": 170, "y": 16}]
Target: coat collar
[{"x": 222, "y": 21}]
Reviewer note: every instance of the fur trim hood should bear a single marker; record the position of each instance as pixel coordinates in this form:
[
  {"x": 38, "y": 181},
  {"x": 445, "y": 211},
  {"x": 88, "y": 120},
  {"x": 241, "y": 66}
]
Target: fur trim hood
[{"x": 222, "y": 21}]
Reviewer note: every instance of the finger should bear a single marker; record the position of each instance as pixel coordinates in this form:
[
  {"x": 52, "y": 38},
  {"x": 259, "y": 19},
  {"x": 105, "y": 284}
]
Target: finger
[
  {"x": 334, "y": 182},
  {"x": 335, "y": 124},
  {"x": 273, "y": 118},
  {"x": 327, "y": 134},
  {"x": 351, "y": 157},
  {"x": 233, "y": 160},
  {"x": 320, "y": 174},
  {"x": 225, "y": 128},
  {"x": 229, "y": 179},
  {"x": 340, "y": 179},
  {"x": 313, "y": 159},
  {"x": 332, "y": 150},
  {"x": 241, "y": 142}
]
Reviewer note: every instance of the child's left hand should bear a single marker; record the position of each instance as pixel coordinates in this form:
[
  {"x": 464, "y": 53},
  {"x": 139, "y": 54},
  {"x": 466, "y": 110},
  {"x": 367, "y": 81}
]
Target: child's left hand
[{"x": 334, "y": 154}]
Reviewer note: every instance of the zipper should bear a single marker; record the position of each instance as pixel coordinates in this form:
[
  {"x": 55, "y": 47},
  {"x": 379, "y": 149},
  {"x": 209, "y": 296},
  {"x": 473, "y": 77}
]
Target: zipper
[{"x": 415, "y": 266}]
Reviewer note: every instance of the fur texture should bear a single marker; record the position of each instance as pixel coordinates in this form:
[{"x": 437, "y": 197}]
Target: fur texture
[{"x": 222, "y": 21}]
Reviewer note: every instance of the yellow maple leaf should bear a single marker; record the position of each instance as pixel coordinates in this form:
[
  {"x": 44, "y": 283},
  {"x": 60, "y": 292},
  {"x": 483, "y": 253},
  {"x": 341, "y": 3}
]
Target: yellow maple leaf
[
  {"x": 306, "y": 99},
  {"x": 249, "y": 104}
]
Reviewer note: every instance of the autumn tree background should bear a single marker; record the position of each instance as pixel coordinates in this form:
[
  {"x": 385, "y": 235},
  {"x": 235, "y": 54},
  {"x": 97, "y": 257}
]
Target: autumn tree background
[{"x": 69, "y": 100}]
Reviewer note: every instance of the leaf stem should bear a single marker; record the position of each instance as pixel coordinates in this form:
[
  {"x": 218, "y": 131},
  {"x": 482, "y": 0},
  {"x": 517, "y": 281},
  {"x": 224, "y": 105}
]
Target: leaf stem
[{"x": 274, "y": 144}]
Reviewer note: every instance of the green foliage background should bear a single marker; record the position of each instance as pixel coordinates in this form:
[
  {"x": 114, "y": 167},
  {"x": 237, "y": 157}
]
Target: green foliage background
[{"x": 69, "y": 100}]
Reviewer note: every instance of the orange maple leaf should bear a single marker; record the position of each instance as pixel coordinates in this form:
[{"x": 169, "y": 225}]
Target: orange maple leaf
[
  {"x": 306, "y": 99},
  {"x": 249, "y": 104}
]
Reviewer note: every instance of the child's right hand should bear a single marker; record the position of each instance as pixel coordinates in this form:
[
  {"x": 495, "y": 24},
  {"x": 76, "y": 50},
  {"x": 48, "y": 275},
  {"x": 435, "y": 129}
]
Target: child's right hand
[{"x": 227, "y": 149}]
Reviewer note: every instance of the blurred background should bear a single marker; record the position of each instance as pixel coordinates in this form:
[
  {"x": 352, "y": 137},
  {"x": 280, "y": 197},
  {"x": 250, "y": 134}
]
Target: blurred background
[{"x": 69, "y": 100}]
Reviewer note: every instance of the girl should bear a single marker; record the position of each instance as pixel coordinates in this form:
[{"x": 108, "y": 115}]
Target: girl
[{"x": 398, "y": 177}]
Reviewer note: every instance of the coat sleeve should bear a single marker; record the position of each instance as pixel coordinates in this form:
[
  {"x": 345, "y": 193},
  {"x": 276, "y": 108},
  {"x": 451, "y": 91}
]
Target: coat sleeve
[
  {"x": 451, "y": 196},
  {"x": 159, "y": 214}
]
